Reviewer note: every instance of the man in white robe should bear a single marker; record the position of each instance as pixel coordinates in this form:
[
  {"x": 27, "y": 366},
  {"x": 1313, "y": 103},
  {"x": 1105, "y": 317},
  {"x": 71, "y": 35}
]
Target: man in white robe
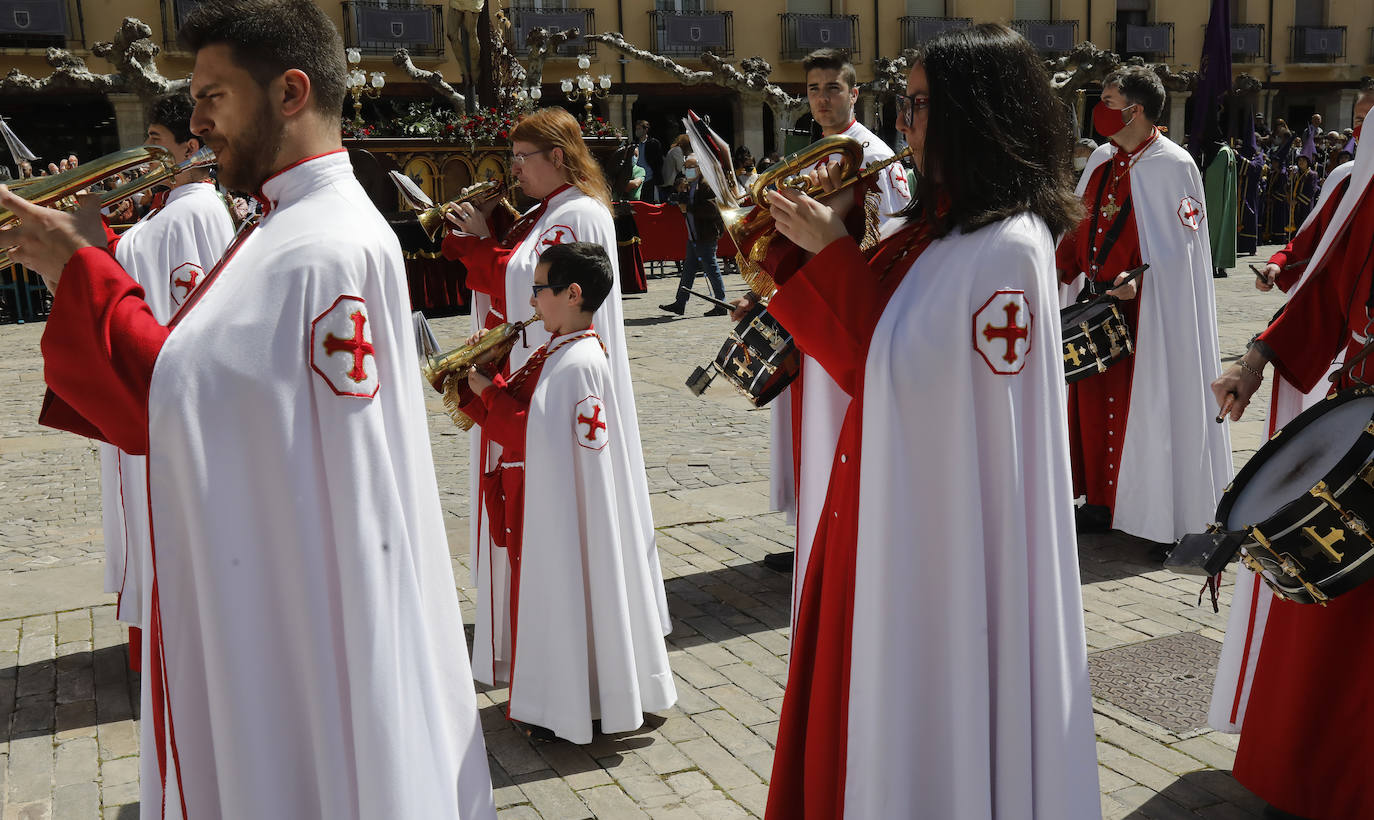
[
  {"x": 305, "y": 654},
  {"x": 167, "y": 252},
  {"x": 1169, "y": 461},
  {"x": 805, "y": 418}
]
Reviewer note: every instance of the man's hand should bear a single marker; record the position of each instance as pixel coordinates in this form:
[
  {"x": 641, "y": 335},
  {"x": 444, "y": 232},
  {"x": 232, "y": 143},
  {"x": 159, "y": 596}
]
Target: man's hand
[
  {"x": 1266, "y": 277},
  {"x": 45, "y": 239},
  {"x": 467, "y": 219},
  {"x": 1127, "y": 291},
  {"x": 1234, "y": 388},
  {"x": 810, "y": 224},
  {"x": 742, "y": 306},
  {"x": 478, "y": 381}
]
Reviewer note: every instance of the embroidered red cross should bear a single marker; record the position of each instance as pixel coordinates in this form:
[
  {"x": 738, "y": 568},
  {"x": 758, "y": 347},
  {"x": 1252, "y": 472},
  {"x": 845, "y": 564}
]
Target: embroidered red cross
[
  {"x": 1010, "y": 333},
  {"x": 593, "y": 422},
  {"x": 1191, "y": 212},
  {"x": 187, "y": 284},
  {"x": 356, "y": 345},
  {"x": 556, "y": 240}
]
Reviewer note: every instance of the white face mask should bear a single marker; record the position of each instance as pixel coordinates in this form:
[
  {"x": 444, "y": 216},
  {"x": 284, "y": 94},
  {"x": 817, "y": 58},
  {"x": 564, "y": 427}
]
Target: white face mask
[
  {"x": 690, "y": 172},
  {"x": 1079, "y": 163}
]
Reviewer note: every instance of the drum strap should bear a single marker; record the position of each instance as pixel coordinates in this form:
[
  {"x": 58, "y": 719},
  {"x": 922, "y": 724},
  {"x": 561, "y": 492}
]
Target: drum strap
[{"x": 1112, "y": 234}]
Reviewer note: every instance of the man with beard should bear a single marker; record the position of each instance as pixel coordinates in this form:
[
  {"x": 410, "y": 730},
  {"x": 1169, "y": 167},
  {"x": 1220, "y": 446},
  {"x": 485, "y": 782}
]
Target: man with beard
[{"x": 306, "y": 646}]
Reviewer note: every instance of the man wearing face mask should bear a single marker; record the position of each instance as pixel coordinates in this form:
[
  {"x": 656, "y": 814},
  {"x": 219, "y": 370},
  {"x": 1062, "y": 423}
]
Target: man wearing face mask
[
  {"x": 1145, "y": 451},
  {"x": 650, "y": 159},
  {"x": 704, "y": 228}
]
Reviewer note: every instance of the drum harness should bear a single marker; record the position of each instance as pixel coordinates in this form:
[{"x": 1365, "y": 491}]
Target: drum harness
[{"x": 1109, "y": 238}]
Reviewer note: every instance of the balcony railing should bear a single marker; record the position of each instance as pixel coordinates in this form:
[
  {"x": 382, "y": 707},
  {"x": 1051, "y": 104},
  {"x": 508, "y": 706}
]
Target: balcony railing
[
  {"x": 1247, "y": 42},
  {"x": 689, "y": 33},
  {"x": 1049, "y": 36},
  {"x": 381, "y": 28},
  {"x": 916, "y": 30},
  {"x": 804, "y": 33},
  {"x": 1316, "y": 44},
  {"x": 527, "y": 20},
  {"x": 41, "y": 24},
  {"x": 174, "y": 14},
  {"x": 1153, "y": 41}
]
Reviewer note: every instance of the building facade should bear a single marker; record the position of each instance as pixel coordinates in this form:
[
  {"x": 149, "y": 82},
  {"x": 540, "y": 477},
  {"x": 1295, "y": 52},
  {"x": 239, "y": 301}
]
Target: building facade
[{"x": 1309, "y": 54}]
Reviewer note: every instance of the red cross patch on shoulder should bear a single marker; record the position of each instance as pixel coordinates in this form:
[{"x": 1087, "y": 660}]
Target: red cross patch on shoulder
[
  {"x": 1002, "y": 331},
  {"x": 589, "y": 423},
  {"x": 555, "y": 235},
  {"x": 184, "y": 279},
  {"x": 341, "y": 349},
  {"x": 1189, "y": 212}
]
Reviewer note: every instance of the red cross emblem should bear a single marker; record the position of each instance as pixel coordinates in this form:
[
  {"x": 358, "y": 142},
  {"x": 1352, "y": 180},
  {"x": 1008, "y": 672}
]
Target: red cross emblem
[
  {"x": 897, "y": 177},
  {"x": 590, "y": 427},
  {"x": 184, "y": 279},
  {"x": 556, "y": 235},
  {"x": 341, "y": 349},
  {"x": 1189, "y": 212},
  {"x": 999, "y": 335}
]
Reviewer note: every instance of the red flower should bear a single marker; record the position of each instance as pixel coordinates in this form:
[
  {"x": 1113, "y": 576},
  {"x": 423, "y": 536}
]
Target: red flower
[{"x": 501, "y": 133}]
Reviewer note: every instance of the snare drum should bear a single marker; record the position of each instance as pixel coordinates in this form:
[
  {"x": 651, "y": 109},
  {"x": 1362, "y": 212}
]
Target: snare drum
[
  {"x": 759, "y": 359},
  {"x": 1304, "y": 503},
  {"x": 1095, "y": 337}
]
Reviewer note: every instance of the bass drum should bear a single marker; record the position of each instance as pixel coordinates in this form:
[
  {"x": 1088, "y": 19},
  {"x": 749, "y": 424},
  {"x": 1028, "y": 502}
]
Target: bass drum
[{"x": 1305, "y": 502}]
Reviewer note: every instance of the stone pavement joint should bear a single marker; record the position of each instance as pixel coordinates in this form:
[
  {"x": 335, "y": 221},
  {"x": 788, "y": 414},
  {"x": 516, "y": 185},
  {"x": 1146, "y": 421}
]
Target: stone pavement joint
[{"x": 68, "y": 704}]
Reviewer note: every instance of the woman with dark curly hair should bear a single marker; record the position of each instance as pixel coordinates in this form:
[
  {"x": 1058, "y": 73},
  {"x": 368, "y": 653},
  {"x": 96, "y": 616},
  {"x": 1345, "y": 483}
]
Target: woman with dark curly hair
[{"x": 938, "y": 663}]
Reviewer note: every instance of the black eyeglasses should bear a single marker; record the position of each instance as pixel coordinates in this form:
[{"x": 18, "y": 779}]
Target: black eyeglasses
[
  {"x": 909, "y": 104},
  {"x": 537, "y": 287}
]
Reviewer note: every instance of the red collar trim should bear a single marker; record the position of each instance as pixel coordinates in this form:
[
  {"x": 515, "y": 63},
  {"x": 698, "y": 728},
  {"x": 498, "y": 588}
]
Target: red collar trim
[
  {"x": 1139, "y": 148},
  {"x": 260, "y": 197},
  {"x": 556, "y": 191}
]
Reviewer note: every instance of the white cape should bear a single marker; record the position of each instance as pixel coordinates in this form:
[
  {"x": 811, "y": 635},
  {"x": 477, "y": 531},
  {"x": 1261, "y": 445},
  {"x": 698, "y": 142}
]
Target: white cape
[
  {"x": 314, "y": 657},
  {"x": 966, "y": 586},
  {"x": 177, "y": 243},
  {"x": 589, "y": 641},
  {"x": 570, "y": 216},
  {"x": 1251, "y": 599},
  {"x": 1175, "y": 460}
]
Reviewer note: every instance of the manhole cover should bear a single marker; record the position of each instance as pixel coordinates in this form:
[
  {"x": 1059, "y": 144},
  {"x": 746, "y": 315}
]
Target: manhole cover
[{"x": 1167, "y": 681}]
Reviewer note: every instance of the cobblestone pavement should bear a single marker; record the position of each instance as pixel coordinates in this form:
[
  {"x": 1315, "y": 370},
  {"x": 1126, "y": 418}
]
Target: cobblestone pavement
[{"x": 68, "y": 737}]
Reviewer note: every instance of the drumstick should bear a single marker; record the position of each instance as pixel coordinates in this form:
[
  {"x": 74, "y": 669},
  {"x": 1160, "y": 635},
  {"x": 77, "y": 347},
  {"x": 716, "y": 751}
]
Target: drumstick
[
  {"x": 1226, "y": 407},
  {"x": 1259, "y": 274},
  {"x": 713, "y": 300}
]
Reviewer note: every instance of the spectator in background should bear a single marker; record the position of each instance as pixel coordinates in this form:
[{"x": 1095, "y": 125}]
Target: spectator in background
[
  {"x": 674, "y": 161},
  {"x": 744, "y": 166},
  {"x": 650, "y": 159},
  {"x": 769, "y": 159},
  {"x": 704, "y": 228}
]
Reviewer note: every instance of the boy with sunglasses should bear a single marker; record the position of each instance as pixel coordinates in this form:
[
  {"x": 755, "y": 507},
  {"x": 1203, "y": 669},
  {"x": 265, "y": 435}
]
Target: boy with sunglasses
[{"x": 586, "y": 637}]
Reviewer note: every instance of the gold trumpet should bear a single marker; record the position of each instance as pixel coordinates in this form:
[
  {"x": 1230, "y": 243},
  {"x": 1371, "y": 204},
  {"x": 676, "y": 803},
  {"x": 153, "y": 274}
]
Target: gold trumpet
[
  {"x": 492, "y": 346},
  {"x": 752, "y": 226},
  {"x": 58, "y": 190},
  {"x": 432, "y": 219}
]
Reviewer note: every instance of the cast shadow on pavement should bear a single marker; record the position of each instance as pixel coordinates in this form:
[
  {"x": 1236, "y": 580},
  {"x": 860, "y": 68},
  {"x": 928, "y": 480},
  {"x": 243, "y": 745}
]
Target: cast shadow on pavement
[
  {"x": 1209, "y": 793},
  {"x": 58, "y": 695}
]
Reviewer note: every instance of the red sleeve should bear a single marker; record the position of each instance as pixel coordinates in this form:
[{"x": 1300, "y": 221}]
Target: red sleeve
[
  {"x": 484, "y": 258},
  {"x": 831, "y": 305},
  {"x": 1304, "y": 243},
  {"x": 99, "y": 348},
  {"x": 1066, "y": 254},
  {"x": 1311, "y": 331},
  {"x": 506, "y": 417},
  {"x": 111, "y": 238},
  {"x": 784, "y": 258}
]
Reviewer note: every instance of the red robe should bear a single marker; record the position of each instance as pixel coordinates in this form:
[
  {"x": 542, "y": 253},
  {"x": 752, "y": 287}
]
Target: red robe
[
  {"x": 1305, "y": 745},
  {"x": 1099, "y": 405},
  {"x": 831, "y": 306}
]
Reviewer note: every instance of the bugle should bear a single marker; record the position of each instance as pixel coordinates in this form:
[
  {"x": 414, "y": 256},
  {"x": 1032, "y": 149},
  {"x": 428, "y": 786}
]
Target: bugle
[{"x": 492, "y": 346}]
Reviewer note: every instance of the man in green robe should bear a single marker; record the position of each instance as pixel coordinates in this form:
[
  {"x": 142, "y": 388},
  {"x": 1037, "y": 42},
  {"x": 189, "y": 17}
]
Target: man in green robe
[{"x": 1219, "y": 186}]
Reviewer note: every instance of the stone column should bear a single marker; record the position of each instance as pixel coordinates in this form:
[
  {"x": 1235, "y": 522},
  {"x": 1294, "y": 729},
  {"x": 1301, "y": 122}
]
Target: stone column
[
  {"x": 1267, "y": 104},
  {"x": 130, "y": 119},
  {"x": 618, "y": 109},
  {"x": 1178, "y": 121},
  {"x": 749, "y": 128},
  {"x": 1343, "y": 115}
]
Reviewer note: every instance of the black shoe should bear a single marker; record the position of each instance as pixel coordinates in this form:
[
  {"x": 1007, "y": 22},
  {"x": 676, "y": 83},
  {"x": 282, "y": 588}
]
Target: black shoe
[
  {"x": 672, "y": 308},
  {"x": 1092, "y": 518},
  {"x": 1218, "y": 273},
  {"x": 780, "y": 561},
  {"x": 717, "y": 311}
]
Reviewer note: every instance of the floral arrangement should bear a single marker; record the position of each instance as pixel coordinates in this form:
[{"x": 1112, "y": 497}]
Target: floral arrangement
[{"x": 481, "y": 125}]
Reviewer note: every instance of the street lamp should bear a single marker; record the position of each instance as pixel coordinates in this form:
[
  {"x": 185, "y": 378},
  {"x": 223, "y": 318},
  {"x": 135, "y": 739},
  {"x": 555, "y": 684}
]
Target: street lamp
[
  {"x": 361, "y": 85},
  {"x": 585, "y": 87}
]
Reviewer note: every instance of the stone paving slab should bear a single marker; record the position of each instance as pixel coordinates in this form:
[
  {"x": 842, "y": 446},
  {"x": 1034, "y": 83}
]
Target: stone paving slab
[{"x": 68, "y": 728}]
